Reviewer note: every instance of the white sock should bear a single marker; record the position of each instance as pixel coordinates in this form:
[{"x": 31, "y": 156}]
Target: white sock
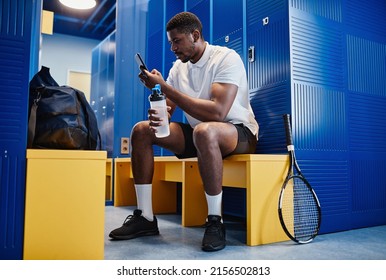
[
  {"x": 144, "y": 200},
  {"x": 214, "y": 204}
]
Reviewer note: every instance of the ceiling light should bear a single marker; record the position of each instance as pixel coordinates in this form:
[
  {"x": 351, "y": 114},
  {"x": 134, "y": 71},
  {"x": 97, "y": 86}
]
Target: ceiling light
[{"x": 79, "y": 4}]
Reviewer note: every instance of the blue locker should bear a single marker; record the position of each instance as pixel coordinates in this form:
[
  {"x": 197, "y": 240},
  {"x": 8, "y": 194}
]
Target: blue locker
[
  {"x": 171, "y": 9},
  {"x": 320, "y": 61},
  {"x": 337, "y": 99},
  {"x": 318, "y": 102},
  {"x": 18, "y": 21},
  {"x": 129, "y": 93},
  {"x": 269, "y": 73},
  {"x": 203, "y": 9},
  {"x": 154, "y": 57},
  {"x": 103, "y": 90},
  {"x": 228, "y": 25},
  {"x": 159, "y": 56},
  {"x": 154, "y": 60}
]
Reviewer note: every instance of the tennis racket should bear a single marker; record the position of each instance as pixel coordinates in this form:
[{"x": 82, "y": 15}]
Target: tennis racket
[{"x": 299, "y": 208}]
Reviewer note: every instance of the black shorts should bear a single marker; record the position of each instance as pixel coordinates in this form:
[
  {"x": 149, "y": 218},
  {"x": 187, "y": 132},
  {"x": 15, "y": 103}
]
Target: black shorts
[{"x": 246, "y": 143}]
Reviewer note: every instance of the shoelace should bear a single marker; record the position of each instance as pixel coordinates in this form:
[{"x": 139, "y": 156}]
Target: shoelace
[
  {"x": 213, "y": 227},
  {"x": 129, "y": 219}
]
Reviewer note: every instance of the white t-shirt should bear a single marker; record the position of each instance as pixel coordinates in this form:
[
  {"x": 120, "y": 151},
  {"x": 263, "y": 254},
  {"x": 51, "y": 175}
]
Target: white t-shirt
[{"x": 217, "y": 65}]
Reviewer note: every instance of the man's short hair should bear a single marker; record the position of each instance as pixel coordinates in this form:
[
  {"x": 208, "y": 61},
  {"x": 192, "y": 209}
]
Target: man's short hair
[{"x": 185, "y": 22}]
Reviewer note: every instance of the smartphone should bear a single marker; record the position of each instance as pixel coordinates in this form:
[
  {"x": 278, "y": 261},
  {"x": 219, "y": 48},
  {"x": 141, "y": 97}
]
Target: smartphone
[{"x": 141, "y": 63}]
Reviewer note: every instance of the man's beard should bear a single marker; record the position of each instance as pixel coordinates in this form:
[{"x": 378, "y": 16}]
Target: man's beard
[{"x": 188, "y": 58}]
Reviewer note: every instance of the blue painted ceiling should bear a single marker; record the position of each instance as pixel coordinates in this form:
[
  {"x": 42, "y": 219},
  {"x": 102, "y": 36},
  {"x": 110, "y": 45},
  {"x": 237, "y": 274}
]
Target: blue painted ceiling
[{"x": 96, "y": 23}]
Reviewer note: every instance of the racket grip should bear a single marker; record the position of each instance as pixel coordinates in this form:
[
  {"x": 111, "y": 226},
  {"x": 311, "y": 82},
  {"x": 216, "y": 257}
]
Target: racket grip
[{"x": 287, "y": 126}]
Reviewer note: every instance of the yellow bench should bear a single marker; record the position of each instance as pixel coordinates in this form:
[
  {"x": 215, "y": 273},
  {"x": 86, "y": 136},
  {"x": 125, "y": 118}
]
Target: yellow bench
[{"x": 261, "y": 176}]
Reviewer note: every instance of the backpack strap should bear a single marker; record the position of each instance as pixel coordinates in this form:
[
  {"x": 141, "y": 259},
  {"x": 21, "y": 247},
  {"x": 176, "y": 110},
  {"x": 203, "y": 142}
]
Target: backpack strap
[
  {"x": 39, "y": 81},
  {"x": 88, "y": 113},
  {"x": 32, "y": 120}
]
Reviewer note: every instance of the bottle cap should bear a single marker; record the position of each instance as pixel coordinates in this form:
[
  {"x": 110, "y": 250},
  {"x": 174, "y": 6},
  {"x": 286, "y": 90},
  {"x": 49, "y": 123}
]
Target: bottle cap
[{"x": 156, "y": 95}]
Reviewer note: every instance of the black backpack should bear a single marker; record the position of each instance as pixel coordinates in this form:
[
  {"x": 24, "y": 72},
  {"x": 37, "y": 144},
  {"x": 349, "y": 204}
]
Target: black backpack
[{"x": 60, "y": 116}]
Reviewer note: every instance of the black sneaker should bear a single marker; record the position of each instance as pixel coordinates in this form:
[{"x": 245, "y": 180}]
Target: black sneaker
[
  {"x": 214, "y": 237},
  {"x": 135, "y": 226}
]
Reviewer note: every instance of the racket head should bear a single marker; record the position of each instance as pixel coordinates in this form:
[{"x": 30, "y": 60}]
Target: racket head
[{"x": 299, "y": 210}]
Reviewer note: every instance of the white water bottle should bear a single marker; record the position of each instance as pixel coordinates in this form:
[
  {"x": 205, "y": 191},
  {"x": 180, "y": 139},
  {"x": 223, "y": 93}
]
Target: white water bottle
[{"x": 158, "y": 101}]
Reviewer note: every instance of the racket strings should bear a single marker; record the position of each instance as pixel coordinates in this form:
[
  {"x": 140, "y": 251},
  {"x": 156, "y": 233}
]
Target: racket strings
[{"x": 300, "y": 210}]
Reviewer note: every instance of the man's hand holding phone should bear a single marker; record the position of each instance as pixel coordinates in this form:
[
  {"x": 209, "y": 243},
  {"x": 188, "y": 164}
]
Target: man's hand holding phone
[
  {"x": 141, "y": 64},
  {"x": 149, "y": 79}
]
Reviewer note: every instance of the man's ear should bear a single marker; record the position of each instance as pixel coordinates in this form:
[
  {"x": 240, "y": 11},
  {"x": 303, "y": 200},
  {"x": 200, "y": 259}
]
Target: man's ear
[{"x": 196, "y": 35}]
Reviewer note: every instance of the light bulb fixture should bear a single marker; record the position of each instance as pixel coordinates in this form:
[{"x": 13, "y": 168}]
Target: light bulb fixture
[{"x": 79, "y": 4}]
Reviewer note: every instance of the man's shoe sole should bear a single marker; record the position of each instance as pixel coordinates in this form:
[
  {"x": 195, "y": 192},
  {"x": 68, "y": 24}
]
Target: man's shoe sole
[
  {"x": 135, "y": 235},
  {"x": 209, "y": 248}
]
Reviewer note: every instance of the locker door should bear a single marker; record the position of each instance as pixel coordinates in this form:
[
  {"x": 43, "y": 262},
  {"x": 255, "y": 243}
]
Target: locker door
[
  {"x": 269, "y": 72},
  {"x": 202, "y": 9},
  {"x": 228, "y": 24},
  {"x": 16, "y": 27}
]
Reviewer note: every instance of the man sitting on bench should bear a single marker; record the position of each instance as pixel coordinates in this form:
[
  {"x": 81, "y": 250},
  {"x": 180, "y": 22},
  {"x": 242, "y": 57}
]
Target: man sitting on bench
[{"x": 209, "y": 84}]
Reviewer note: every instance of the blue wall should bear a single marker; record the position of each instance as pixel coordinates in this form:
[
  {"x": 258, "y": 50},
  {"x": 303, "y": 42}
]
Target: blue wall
[
  {"x": 321, "y": 61},
  {"x": 62, "y": 53}
]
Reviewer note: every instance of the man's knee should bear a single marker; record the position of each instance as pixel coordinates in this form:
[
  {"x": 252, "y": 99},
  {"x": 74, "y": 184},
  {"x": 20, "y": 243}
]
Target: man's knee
[
  {"x": 140, "y": 130},
  {"x": 203, "y": 134}
]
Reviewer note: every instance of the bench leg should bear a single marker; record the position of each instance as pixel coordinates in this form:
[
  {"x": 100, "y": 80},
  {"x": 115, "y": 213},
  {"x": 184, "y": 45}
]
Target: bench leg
[
  {"x": 124, "y": 192},
  {"x": 263, "y": 225},
  {"x": 194, "y": 207},
  {"x": 164, "y": 193}
]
